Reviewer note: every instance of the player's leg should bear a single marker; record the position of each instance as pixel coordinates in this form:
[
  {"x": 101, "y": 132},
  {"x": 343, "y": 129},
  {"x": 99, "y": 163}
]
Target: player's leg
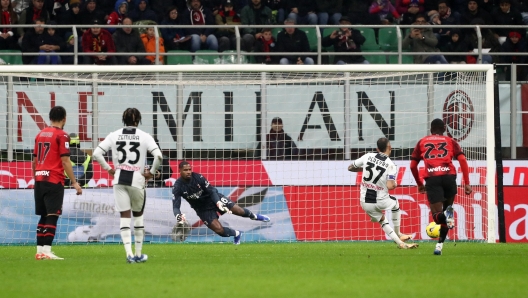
[
  {"x": 53, "y": 199},
  {"x": 138, "y": 198},
  {"x": 396, "y": 219},
  {"x": 450, "y": 191},
  {"x": 123, "y": 206},
  {"x": 210, "y": 219},
  {"x": 436, "y": 198},
  {"x": 244, "y": 212},
  {"x": 376, "y": 215},
  {"x": 40, "y": 209}
]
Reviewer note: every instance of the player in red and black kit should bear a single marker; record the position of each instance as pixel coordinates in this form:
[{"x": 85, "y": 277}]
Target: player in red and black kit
[
  {"x": 437, "y": 152},
  {"x": 51, "y": 158}
]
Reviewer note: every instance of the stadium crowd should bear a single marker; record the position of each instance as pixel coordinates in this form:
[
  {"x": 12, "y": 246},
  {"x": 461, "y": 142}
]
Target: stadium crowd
[{"x": 91, "y": 13}]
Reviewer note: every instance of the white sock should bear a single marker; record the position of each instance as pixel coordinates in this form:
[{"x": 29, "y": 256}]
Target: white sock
[
  {"x": 39, "y": 249},
  {"x": 46, "y": 249},
  {"x": 237, "y": 233},
  {"x": 139, "y": 234},
  {"x": 396, "y": 220},
  {"x": 126, "y": 236},
  {"x": 439, "y": 246},
  {"x": 389, "y": 231}
]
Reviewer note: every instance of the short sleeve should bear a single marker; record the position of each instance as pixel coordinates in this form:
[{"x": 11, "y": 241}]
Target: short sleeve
[
  {"x": 64, "y": 144},
  {"x": 392, "y": 172},
  {"x": 417, "y": 154},
  {"x": 106, "y": 144},
  {"x": 457, "y": 150},
  {"x": 360, "y": 162}
]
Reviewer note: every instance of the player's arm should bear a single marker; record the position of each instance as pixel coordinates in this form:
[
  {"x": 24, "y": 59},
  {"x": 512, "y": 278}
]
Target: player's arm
[
  {"x": 465, "y": 173},
  {"x": 99, "y": 153},
  {"x": 356, "y": 165},
  {"x": 66, "y": 163},
  {"x": 213, "y": 194},
  {"x": 34, "y": 166},
  {"x": 415, "y": 160},
  {"x": 176, "y": 204},
  {"x": 158, "y": 158},
  {"x": 391, "y": 177}
]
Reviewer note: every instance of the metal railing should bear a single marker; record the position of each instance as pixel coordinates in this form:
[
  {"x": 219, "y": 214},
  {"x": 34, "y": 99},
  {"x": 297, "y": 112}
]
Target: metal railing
[{"x": 319, "y": 53}]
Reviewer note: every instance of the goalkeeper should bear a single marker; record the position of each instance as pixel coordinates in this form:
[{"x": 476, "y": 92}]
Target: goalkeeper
[{"x": 207, "y": 202}]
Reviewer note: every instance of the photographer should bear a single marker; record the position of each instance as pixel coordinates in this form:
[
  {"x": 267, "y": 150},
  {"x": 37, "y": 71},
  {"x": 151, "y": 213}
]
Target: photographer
[
  {"x": 346, "y": 40},
  {"x": 423, "y": 40}
]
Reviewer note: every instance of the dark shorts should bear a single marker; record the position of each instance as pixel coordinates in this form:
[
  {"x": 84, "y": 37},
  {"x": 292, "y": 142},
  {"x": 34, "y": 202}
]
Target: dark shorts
[
  {"x": 208, "y": 215},
  {"x": 48, "y": 198},
  {"x": 439, "y": 188}
]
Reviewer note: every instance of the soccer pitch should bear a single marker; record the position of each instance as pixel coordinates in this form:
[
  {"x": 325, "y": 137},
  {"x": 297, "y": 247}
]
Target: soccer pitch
[{"x": 328, "y": 269}]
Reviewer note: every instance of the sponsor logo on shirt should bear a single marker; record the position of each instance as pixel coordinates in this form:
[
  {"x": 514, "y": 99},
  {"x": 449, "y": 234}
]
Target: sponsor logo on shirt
[
  {"x": 42, "y": 173},
  {"x": 371, "y": 186},
  {"x": 438, "y": 169},
  {"x": 128, "y": 168}
]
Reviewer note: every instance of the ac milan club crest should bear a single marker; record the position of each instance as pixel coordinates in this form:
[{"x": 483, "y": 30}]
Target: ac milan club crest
[{"x": 458, "y": 115}]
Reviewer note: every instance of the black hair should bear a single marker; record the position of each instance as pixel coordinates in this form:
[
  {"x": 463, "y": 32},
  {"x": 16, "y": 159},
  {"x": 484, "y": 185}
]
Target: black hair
[
  {"x": 182, "y": 164},
  {"x": 382, "y": 144},
  {"x": 437, "y": 126},
  {"x": 131, "y": 117},
  {"x": 57, "y": 114}
]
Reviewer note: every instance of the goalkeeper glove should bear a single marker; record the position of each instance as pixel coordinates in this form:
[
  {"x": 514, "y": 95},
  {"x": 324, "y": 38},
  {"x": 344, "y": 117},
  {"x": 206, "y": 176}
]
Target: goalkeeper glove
[
  {"x": 180, "y": 218},
  {"x": 223, "y": 207}
]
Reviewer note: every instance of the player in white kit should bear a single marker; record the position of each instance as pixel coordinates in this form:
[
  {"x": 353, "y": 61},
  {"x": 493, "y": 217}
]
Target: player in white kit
[
  {"x": 129, "y": 147},
  {"x": 379, "y": 176}
]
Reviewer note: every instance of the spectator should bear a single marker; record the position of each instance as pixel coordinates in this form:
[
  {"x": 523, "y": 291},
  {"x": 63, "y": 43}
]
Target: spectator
[
  {"x": 293, "y": 40},
  {"x": 474, "y": 12},
  {"x": 409, "y": 10},
  {"x": 423, "y": 40},
  {"x": 143, "y": 12},
  {"x": 226, "y": 36},
  {"x": 254, "y": 13},
  {"x": 117, "y": 16},
  {"x": 347, "y": 40},
  {"x": 51, "y": 43},
  {"x": 69, "y": 48},
  {"x": 106, "y": 7},
  {"x": 32, "y": 41},
  {"x": 515, "y": 43},
  {"x": 161, "y": 7},
  {"x": 329, "y": 11},
  {"x": 448, "y": 16},
  {"x": 431, "y": 5},
  {"x": 522, "y": 6},
  {"x": 81, "y": 163},
  {"x": 442, "y": 34},
  {"x": 385, "y": 11},
  {"x": 489, "y": 43},
  {"x": 456, "y": 44},
  {"x": 266, "y": 44},
  {"x": 302, "y": 11},
  {"x": 506, "y": 16},
  {"x": 98, "y": 40},
  {"x": 8, "y": 36},
  {"x": 30, "y": 14},
  {"x": 197, "y": 16},
  {"x": 174, "y": 37},
  {"x": 149, "y": 41},
  {"x": 280, "y": 145},
  {"x": 276, "y": 6},
  {"x": 71, "y": 15},
  {"x": 91, "y": 12},
  {"x": 358, "y": 12},
  {"x": 127, "y": 40}
]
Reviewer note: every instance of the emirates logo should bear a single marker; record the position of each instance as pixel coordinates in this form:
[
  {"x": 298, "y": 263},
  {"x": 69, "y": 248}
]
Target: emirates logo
[{"x": 458, "y": 115}]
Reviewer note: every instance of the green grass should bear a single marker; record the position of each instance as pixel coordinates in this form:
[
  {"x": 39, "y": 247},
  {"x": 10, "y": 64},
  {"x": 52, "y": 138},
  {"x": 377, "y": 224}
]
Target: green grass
[{"x": 342, "y": 269}]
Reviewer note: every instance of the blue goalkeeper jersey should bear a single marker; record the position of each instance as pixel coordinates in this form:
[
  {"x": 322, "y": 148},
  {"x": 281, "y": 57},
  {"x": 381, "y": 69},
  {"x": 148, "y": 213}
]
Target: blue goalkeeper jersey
[{"x": 200, "y": 194}]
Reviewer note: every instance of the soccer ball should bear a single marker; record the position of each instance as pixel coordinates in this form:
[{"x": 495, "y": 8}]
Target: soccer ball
[{"x": 433, "y": 230}]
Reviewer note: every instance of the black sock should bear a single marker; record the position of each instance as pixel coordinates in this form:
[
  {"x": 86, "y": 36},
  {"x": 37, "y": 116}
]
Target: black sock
[
  {"x": 40, "y": 229},
  {"x": 248, "y": 213},
  {"x": 228, "y": 232},
  {"x": 443, "y": 233},
  {"x": 49, "y": 229}
]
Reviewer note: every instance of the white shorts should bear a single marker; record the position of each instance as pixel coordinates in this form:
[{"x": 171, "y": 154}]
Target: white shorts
[
  {"x": 375, "y": 211},
  {"x": 129, "y": 198}
]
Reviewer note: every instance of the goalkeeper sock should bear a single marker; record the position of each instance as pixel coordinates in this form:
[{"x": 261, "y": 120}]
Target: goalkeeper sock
[
  {"x": 228, "y": 232},
  {"x": 139, "y": 234},
  {"x": 126, "y": 236},
  {"x": 389, "y": 231},
  {"x": 396, "y": 220},
  {"x": 248, "y": 213}
]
